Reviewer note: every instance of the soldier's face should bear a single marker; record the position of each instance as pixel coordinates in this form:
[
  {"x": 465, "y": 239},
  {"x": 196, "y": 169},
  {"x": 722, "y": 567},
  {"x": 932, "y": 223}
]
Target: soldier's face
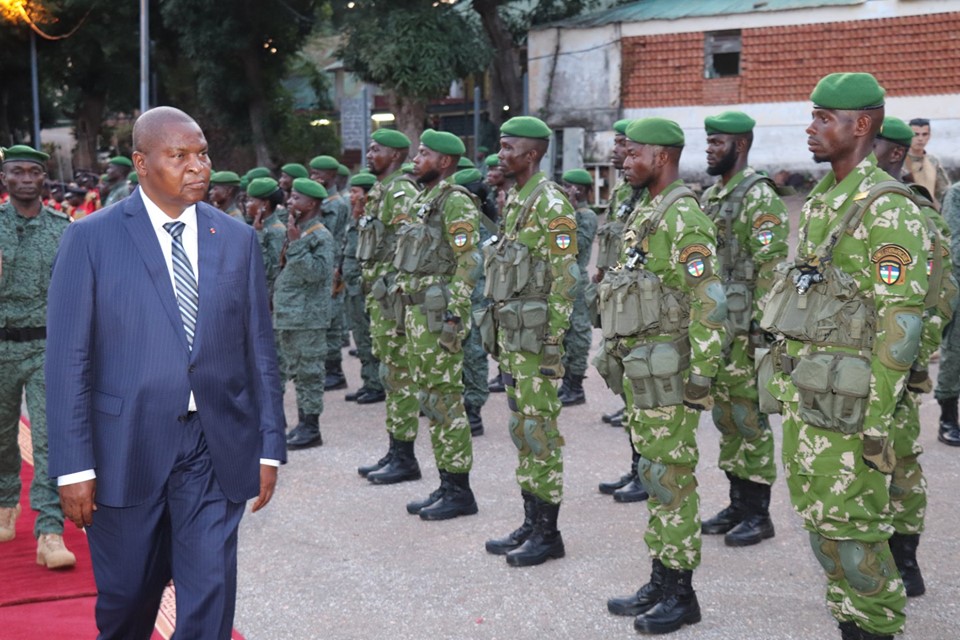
[
  {"x": 830, "y": 134},
  {"x": 285, "y": 182},
  {"x": 358, "y": 197},
  {"x": 427, "y": 164},
  {"x": 494, "y": 176},
  {"x": 572, "y": 191},
  {"x": 639, "y": 165},
  {"x": 619, "y": 151},
  {"x": 175, "y": 171},
  {"x": 299, "y": 204},
  {"x": 24, "y": 180},
  {"x": 921, "y": 136},
  {"x": 721, "y": 153},
  {"x": 256, "y": 206},
  {"x": 219, "y": 194},
  {"x": 889, "y": 154},
  {"x": 513, "y": 155},
  {"x": 115, "y": 172},
  {"x": 379, "y": 158}
]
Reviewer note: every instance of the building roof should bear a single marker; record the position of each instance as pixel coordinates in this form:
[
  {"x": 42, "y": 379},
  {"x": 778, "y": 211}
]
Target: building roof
[{"x": 673, "y": 10}]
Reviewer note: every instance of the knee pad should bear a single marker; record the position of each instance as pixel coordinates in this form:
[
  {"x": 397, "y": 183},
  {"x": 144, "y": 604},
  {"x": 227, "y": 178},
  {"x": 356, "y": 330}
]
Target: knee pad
[
  {"x": 569, "y": 282},
  {"x": 901, "y": 338},
  {"x": 713, "y": 301},
  {"x": 388, "y": 377},
  {"x": 827, "y": 554},
  {"x": 541, "y": 436},
  {"x": 907, "y": 475},
  {"x": 664, "y": 482},
  {"x": 748, "y": 420},
  {"x": 515, "y": 426},
  {"x": 723, "y": 418},
  {"x": 866, "y": 566}
]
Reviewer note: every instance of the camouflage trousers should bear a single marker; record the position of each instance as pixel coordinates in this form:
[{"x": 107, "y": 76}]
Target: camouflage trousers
[
  {"x": 21, "y": 369},
  {"x": 402, "y": 406},
  {"x": 948, "y": 380},
  {"x": 908, "y": 486},
  {"x": 534, "y": 408},
  {"x": 579, "y": 337},
  {"x": 845, "y": 505},
  {"x": 335, "y": 330},
  {"x": 476, "y": 367},
  {"x": 359, "y": 323},
  {"x": 746, "y": 441},
  {"x": 438, "y": 377},
  {"x": 303, "y": 360}
]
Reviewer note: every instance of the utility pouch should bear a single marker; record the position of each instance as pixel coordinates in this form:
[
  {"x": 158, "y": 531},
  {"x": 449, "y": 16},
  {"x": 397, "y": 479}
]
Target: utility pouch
[
  {"x": 484, "y": 321},
  {"x": 764, "y": 365},
  {"x": 609, "y": 244},
  {"x": 739, "y": 308},
  {"x": 413, "y": 246},
  {"x": 655, "y": 371},
  {"x": 833, "y": 390},
  {"x": 591, "y": 296},
  {"x": 523, "y": 325},
  {"x": 369, "y": 236},
  {"x": 629, "y": 302},
  {"x": 609, "y": 368},
  {"x": 385, "y": 292},
  {"x": 435, "y": 301},
  {"x": 507, "y": 270}
]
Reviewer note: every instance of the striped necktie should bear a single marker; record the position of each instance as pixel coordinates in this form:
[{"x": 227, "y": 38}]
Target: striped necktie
[{"x": 185, "y": 283}]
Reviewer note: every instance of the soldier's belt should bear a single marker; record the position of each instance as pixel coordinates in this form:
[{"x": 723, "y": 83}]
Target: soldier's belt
[{"x": 23, "y": 334}]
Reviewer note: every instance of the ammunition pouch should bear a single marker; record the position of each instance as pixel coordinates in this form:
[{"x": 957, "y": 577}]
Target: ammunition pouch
[
  {"x": 372, "y": 240},
  {"x": 609, "y": 244},
  {"x": 739, "y": 308},
  {"x": 655, "y": 371},
  {"x": 522, "y": 324},
  {"x": 591, "y": 297},
  {"x": 635, "y": 303},
  {"x": 609, "y": 367},
  {"x": 433, "y": 302},
  {"x": 485, "y": 322},
  {"x": 386, "y": 293},
  {"x": 511, "y": 272},
  {"x": 833, "y": 390},
  {"x": 421, "y": 250},
  {"x": 766, "y": 367}
]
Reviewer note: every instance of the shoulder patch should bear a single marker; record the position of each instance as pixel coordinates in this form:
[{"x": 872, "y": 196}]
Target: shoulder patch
[
  {"x": 698, "y": 250},
  {"x": 562, "y": 223},
  {"x": 891, "y": 260},
  {"x": 766, "y": 218},
  {"x": 401, "y": 219}
]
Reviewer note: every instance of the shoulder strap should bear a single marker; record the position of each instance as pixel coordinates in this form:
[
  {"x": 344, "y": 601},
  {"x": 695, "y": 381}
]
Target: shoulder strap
[{"x": 650, "y": 224}]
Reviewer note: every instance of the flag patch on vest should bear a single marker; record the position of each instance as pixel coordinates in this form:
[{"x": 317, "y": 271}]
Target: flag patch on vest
[
  {"x": 563, "y": 240},
  {"x": 765, "y": 236},
  {"x": 461, "y": 232},
  {"x": 891, "y": 260},
  {"x": 695, "y": 267}
]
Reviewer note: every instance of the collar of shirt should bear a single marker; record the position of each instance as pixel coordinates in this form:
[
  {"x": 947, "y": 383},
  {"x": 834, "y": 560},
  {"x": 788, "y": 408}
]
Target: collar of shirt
[{"x": 158, "y": 218}]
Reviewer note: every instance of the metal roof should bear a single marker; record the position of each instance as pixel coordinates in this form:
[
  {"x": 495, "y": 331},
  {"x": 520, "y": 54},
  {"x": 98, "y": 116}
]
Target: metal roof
[{"x": 676, "y": 10}]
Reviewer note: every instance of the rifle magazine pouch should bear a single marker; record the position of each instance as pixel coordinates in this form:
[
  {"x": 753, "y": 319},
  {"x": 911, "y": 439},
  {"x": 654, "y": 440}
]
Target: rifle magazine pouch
[
  {"x": 609, "y": 244},
  {"x": 833, "y": 390},
  {"x": 413, "y": 243},
  {"x": 610, "y": 369},
  {"x": 763, "y": 362},
  {"x": 629, "y": 303},
  {"x": 485, "y": 322},
  {"x": 654, "y": 370},
  {"x": 507, "y": 270},
  {"x": 435, "y": 301},
  {"x": 368, "y": 239},
  {"x": 523, "y": 325}
]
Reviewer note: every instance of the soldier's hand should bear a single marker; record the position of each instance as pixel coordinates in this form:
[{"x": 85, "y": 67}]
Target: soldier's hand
[
  {"x": 551, "y": 361},
  {"x": 696, "y": 393},
  {"x": 878, "y": 454},
  {"x": 919, "y": 381},
  {"x": 450, "y": 340},
  {"x": 77, "y": 502},
  {"x": 293, "y": 232}
]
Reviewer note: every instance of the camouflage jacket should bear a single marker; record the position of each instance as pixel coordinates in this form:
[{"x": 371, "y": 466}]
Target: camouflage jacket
[
  {"x": 302, "y": 292},
  {"x": 271, "y": 238},
  {"x": 389, "y": 202},
  {"x": 619, "y": 208},
  {"x": 586, "y": 233}
]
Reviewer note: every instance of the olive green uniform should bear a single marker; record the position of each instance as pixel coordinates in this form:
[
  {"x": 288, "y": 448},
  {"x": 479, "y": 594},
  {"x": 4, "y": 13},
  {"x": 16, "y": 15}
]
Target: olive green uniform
[
  {"x": 357, "y": 317},
  {"x": 336, "y": 214},
  {"x": 578, "y": 339}
]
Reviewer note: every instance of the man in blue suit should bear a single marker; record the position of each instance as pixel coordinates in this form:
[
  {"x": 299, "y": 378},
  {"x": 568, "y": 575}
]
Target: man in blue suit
[{"x": 163, "y": 397}]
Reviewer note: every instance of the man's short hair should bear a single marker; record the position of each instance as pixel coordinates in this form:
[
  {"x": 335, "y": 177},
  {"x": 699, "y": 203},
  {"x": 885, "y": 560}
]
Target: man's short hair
[{"x": 919, "y": 122}]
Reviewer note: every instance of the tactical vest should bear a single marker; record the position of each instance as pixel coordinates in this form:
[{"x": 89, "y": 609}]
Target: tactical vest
[
  {"x": 942, "y": 290},
  {"x": 734, "y": 260},
  {"x": 610, "y": 234},
  {"x": 420, "y": 248},
  {"x": 375, "y": 242}
]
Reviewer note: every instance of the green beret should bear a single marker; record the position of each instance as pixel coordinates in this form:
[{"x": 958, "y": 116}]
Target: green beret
[
  {"x": 390, "y": 138},
  {"x": 464, "y": 163},
  {"x": 492, "y": 160},
  {"x": 620, "y": 126},
  {"x": 442, "y": 142},
  {"x": 308, "y": 187},
  {"x": 578, "y": 176},
  {"x": 244, "y": 182},
  {"x": 659, "y": 131},
  {"x": 342, "y": 170},
  {"x": 525, "y": 127},
  {"x": 363, "y": 180},
  {"x": 407, "y": 167},
  {"x": 323, "y": 163},
  {"x": 23, "y": 153},
  {"x": 295, "y": 170},
  {"x": 258, "y": 172},
  {"x": 123, "y": 161},
  {"x": 224, "y": 177},
  {"x": 896, "y": 130},
  {"x": 262, "y": 188},
  {"x": 732, "y": 122},
  {"x": 850, "y": 91},
  {"x": 466, "y": 176},
  {"x": 133, "y": 177}
]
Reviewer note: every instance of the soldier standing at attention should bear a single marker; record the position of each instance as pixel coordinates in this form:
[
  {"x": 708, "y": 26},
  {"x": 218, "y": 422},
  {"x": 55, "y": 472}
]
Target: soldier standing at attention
[
  {"x": 577, "y": 340},
  {"x": 438, "y": 264},
  {"x": 301, "y": 307},
  {"x": 752, "y": 229},
  {"x": 948, "y": 380},
  {"x": 29, "y": 236},
  {"x": 532, "y": 278},
  {"x": 850, "y": 308},
  {"x": 908, "y": 487},
  {"x": 225, "y": 193},
  {"x": 662, "y": 315},
  {"x": 387, "y": 208},
  {"x": 116, "y": 182},
  {"x": 288, "y": 173},
  {"x": 500, "y": 186},
  {"x": 264, "y": 197}
]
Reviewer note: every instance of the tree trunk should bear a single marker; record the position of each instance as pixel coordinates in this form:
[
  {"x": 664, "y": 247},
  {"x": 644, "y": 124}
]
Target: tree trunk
[
  {"x": 87, "y": 124},
  {"x": 256, "y": 106},
  {"x": 411, "y": 114},
  {"x": 506, "y": 80}
]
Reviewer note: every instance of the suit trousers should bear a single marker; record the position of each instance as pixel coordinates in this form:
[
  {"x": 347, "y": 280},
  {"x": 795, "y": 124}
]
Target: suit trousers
[{"x": 187, "y": 531}]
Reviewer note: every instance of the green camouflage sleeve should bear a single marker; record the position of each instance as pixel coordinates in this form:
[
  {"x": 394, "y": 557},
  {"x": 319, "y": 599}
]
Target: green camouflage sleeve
[
  {"x": 310, "y": 257},
  {"x": 461, "y": 220},
  {"x": 935, "y": 317},
  {"x": 586, "y": 232},
  {"x": 769, "y": 227},
  {"x": 951, "y": 215},
  {"x": 560, "y": 237}
]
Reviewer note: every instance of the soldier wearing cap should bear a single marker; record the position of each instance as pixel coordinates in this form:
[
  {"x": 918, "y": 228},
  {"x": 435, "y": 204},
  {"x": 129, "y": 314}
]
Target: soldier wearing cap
[
  {"x": 290, "y": 172},
  {"x": 532, "y": 277},
  {"x": 438, "y": 263},
  {"x": 225, "y": 193},
  {"x": 908, "y": 487},
  {"x": 388, "y": 203},
  {"x": 662, "y": 313},
  {"x": 576, "y": 342},
  {"x": 301, "y": 306},
  {"x": 500, "y": 186},
  {"x": 264, "y": 197},
  {"x": 115, "y": 182},
  {"x": 371, "y": 389},
  {"x": 850, "y": 312},
  {"x": 336, "y": 214},
  {"x": 752, "y": 229},
  {"x": 132, "y": 181},
  {"x": 29, "y": 236}
]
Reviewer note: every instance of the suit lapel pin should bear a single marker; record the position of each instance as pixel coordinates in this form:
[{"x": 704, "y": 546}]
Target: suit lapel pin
[{"x": 212, "y": 231}]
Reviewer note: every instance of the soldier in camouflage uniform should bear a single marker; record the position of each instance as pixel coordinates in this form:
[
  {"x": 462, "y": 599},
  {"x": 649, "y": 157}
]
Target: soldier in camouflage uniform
[
  {"x": 752, "y": 230},
  {"x": 264, "y": 197},
  {"x": 336, "y": 215},
  {"x": 29, "y": 237},
  {"x": 371, "y": 390},
  {"x": 116, "y": 183},
  {"x": 662, "y": 314},
  {"x": 850, "y": 309},
  {"x": 908, "y": 487},
  {"x": 438, "y": 264},
  {"x": 532, "y": 277},
  {"x": 301, "y": 306},
  {"x": 387, "y": 208},
  {"x": 577, "y": 341},
  {"x": 948, "y": 380},
  {"x": 500, "y": 186},
  {"x": 225, "y": 194}
]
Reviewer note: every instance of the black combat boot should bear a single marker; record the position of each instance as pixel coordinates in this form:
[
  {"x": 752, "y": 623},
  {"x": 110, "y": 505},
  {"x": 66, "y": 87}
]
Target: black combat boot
[
  {"x": 866, "y": 635},
  {"x": 352, "y": 397},
  {"x": 634, "y": 490},
  {"x": 415, "y": 507},
  {"x": 371, "y": 396},
  {"x": 949, "y": 428},
  {"x": 544, "y": 542},
  {"x": 607, "y": 488},
  {"x": 500, "y": 546},
  {"x": 678, "y": 605},
  {"x": 403, "y": 466},
  {"x": 904, "y": 549},
  {"x": 496, "y": 384},
  {"x": 308, "y": 436},
  {"x": 575, "y": 394},
  {"x": 731, "y": 515},
  {"x": 756, "y": 525},
  {"x": 564, "y": 386},
  {"x": 614, "y": 419},
  {"x": 645, "y": 597},
  {"x": 456, "y": 500},
  {"x": 382, "y": 462},
  {"x": 334, "y": 378},
  {"x": 849, "y": 631},
  {"x": 473, "y": 417}
]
